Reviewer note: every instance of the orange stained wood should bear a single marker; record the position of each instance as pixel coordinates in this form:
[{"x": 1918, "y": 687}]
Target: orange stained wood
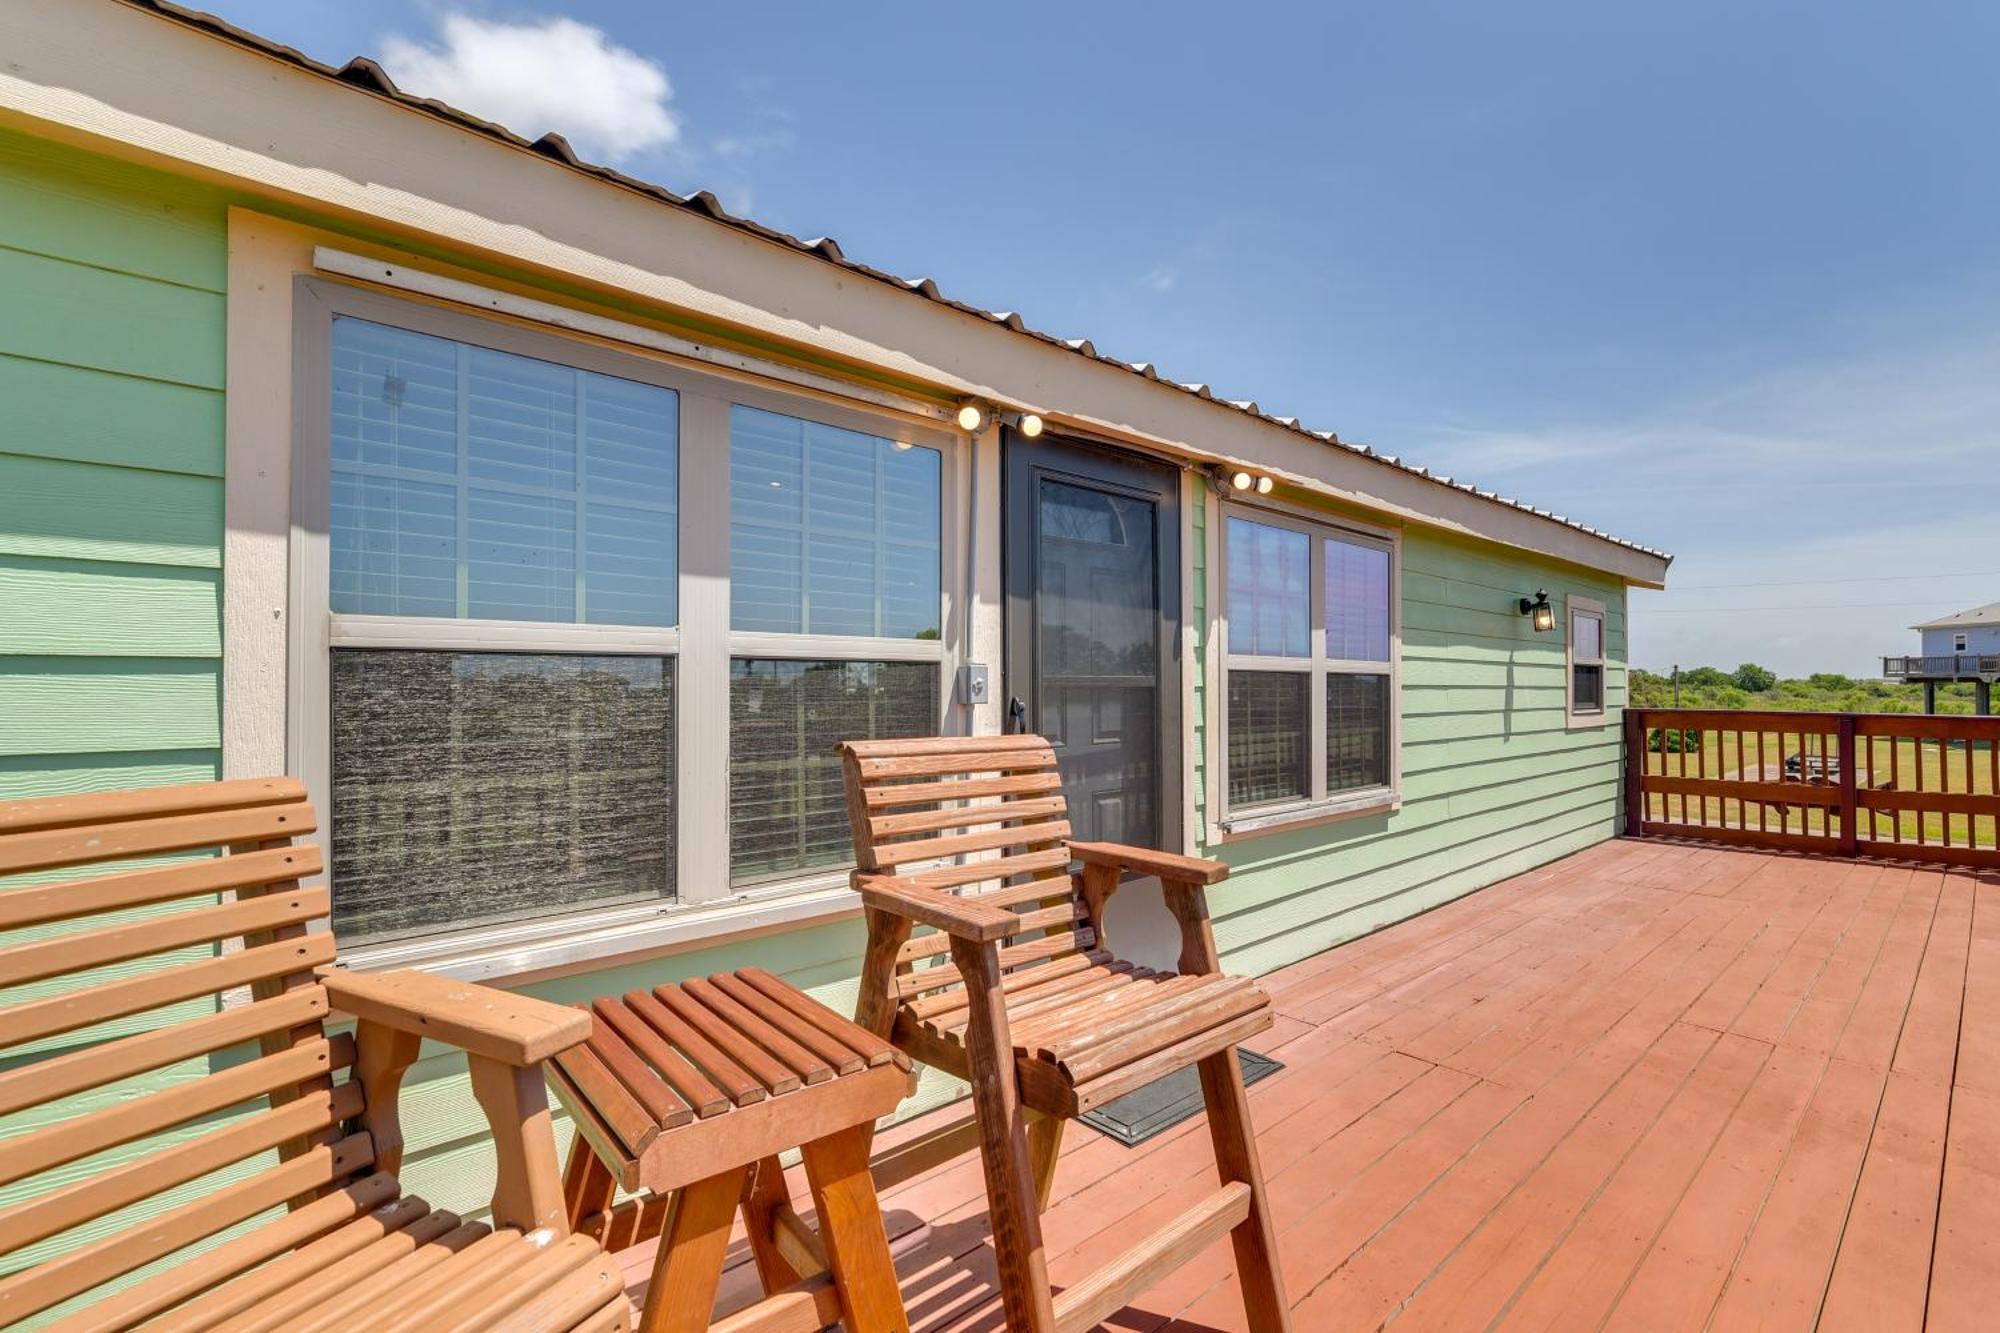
[
  {"x": 1650, "y": 1086},
  {"x": 260, "y": 1190},
  {"x": 801, "y": 1077}
]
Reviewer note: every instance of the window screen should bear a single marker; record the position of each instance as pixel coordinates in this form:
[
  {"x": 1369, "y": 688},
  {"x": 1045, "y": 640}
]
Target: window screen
[
  {"x": 1268, "y": 737},
  {"x": 1357, "y": 731},
  {"x": 831, "y": 531},
  {"x": 470, "y": 483},
  {"x": 787, "y": 808},
  {"x": 493, "y": 786}
]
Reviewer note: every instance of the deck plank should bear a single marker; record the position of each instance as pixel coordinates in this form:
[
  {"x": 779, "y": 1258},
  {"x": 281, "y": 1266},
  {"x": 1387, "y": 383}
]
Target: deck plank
[{"x": 1651, "y": 1086}]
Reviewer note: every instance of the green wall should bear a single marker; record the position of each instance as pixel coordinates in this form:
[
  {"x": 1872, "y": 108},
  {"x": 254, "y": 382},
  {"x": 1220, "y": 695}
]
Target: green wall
[
  {"x": 111, "y": 523},
  {"x": 1494, "y": 783},
  {"x": 111, "y": 376}
]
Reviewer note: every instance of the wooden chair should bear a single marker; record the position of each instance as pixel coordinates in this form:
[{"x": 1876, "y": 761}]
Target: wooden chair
[
  {"x": 175, "y": 1011},
  {"x": 987, "y": 957}
]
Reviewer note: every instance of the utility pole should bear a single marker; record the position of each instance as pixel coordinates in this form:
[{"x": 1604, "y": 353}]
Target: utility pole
[{"x": 1677, "y": 684}]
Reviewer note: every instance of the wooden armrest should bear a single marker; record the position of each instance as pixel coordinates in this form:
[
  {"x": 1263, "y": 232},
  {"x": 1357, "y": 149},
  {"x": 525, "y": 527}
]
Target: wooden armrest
[
  {"x": 963, "y": 918},
  {"x": 513, "y": 1029},
  {"x": 1167, "y": 865}
]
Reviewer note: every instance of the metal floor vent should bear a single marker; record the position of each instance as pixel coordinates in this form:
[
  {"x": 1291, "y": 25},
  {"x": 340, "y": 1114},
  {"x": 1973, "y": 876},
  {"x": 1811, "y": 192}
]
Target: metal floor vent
[{"x": 1165, "y": 1102}]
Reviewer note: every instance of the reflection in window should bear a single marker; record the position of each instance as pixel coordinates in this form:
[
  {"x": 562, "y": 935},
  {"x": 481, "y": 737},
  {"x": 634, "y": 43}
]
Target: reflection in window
[
  {"x": 831, "y": 531},
  {"x": 1267, "y": 737},
  {"x": 495, "y": 786},
  {"x": 1270, "y": 598},
  {"x": 1357, "y": 731},
  {"x": 469, "y": 483},
  {"x": 787, "y": 806},
  {"x": 1357, "y": 602}
]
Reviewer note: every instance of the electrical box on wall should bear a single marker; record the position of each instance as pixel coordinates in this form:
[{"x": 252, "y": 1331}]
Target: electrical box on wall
[{"x": 972, "y": 686}]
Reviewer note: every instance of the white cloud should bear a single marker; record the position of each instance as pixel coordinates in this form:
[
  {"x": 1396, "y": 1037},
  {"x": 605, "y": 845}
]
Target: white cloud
[
  {"x": 542, "y": 74},
  {"x": 1816, "y": 511},
  {"x": 1162, "y": 279}
]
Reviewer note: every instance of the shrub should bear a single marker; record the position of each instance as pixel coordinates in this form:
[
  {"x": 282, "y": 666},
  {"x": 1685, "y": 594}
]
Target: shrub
[
  {"x": 1673, "y": 740},
  {"x": 1754, "y": 678}
]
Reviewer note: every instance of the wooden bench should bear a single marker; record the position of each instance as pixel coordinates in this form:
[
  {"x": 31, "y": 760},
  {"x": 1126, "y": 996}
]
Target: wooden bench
[
  {"x": 689, "y": 1093},
  {"x": 175, "y": 1009},
  {"x": 987, "y": 957}
]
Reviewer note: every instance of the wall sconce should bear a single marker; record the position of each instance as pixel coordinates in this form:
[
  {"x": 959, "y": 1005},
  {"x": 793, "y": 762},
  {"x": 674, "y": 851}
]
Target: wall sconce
[
  {"x": 971, "y": 416},
  {"x": 1539, "y": 608},
  {"x": 1028, "y": 423},
  {"x": 1238, "y": 481}
]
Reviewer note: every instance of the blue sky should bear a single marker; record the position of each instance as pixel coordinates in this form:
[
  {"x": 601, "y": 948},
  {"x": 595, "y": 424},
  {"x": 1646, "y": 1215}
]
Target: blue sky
[{"x": 1718, "y": 277}]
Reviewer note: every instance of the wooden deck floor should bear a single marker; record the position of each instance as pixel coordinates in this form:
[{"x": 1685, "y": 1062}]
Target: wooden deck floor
[{"x": 1651, "y": 1086}]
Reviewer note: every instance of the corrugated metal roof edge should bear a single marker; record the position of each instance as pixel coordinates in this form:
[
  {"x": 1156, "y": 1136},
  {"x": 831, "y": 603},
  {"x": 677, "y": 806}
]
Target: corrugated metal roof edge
[{"x": 368, "y": 76}]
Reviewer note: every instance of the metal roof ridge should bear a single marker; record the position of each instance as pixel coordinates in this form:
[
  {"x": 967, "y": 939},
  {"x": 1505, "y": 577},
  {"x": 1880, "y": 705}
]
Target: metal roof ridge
[{"x": 365, "y": 75}]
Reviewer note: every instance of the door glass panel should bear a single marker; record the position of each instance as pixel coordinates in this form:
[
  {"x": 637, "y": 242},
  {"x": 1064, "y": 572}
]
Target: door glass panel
[{"x": 1097, "y": 637}]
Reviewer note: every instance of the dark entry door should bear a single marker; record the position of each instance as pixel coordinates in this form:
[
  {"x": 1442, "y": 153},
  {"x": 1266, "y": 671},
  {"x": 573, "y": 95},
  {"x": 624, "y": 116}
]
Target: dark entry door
[{"x": 1092, "y": 553}]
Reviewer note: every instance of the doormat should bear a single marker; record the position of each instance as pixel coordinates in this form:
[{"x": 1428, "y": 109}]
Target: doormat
[{"x": 1165, "y": 1102}]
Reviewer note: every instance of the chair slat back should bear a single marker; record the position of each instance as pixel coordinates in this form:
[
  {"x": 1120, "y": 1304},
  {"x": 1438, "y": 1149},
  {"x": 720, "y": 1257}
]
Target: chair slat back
[
  {"x": 145, "y": 938},
  {"x": 976, "y": 816}
]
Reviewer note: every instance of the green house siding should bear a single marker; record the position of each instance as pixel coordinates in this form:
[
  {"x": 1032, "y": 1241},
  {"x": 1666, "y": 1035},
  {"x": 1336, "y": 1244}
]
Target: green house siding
[
  {"x": 112, "y": 353},
  {"x": 111, "y": 445},
  {"x": 1494, "y": 781}
]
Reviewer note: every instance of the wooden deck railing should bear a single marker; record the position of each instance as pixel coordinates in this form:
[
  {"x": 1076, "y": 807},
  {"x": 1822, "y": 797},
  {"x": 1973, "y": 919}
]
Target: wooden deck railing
[
  {"x": 1941, "y": 666},
  {"x": 1899, "y": 785}
]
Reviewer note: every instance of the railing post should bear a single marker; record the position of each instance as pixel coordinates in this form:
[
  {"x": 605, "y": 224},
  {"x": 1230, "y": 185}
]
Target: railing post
[
  {"x": 1850, "y": 802},
  {"x": 1635, "y": 768}
]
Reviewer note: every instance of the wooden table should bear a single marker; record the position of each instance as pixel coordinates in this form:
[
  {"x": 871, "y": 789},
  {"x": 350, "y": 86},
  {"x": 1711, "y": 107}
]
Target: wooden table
[{"x": 687, "y": 1094}]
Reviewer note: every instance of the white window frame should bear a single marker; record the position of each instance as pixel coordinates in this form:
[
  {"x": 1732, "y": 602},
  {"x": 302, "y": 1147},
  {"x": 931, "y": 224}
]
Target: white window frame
[
  {"x": 702, "y": 644},
  {"x": 1316, "y": 666},
  {"x": 1959, "y": 641},
  {"x": 1573, "y": 607}
]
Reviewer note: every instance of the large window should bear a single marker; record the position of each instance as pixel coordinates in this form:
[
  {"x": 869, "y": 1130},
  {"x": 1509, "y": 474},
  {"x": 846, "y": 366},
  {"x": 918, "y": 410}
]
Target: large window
[
  {"x": 576, "y": 629},
  {"x": 1309, "y": 648},
  {"x": 1586, "y": 662},
  {"x": 472, "y": 492},
  {"x": 833, "y": 534}
]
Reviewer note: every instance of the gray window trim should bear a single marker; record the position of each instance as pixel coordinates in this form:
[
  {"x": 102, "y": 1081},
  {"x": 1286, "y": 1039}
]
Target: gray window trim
[
  {"x": 1575, "y": 605},
  {"x": 702, "y": 643},
  {"x": 1319, "y": 804}
]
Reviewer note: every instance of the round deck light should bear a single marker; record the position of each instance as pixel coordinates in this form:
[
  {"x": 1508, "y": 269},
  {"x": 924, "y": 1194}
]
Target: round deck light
[
  {"x": 1031, "y": 425},
  {"x": 1264, "y": 485},
  {"x": 971, "y": 416},
  {"x": 1241, "y": 481}
]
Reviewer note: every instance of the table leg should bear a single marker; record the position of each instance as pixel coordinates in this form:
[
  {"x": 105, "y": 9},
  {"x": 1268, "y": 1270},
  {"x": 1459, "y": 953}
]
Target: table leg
[
  {"x": 693, "y": 1243},
  {"x": 588, "y": 1188},
  {"x": 850, "y": 1226},
  {"x": 764, "y": 1194}
]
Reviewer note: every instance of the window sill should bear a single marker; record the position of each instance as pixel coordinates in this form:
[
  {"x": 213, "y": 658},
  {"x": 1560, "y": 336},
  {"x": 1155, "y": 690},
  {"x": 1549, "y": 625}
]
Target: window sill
[
  {"x": 523, "y": 951},
  {"x": 1352, "y": 806},
  {"x": 1588, "y": 721}
]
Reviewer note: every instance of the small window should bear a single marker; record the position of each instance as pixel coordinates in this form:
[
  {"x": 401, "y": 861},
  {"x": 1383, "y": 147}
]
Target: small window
[
  {"x": 1958, "y": 643},
  {"x": 1309, "y": 639},
  {"x": 1586, "y": 661}
]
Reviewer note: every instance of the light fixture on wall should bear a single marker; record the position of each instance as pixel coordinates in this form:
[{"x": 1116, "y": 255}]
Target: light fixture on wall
[
  {"x": 1029, "y": 424},
  {"x": 971, "y": 415},
  {"x": 1238, "y": 481},
  {"x": 1538, "y": 607}
]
